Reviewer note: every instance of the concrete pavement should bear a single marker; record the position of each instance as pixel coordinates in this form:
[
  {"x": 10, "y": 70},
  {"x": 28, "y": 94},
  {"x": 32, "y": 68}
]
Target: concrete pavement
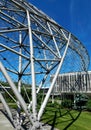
[
  {"x": 6, "y": 125},
  {"x": 4, "y": 122}
]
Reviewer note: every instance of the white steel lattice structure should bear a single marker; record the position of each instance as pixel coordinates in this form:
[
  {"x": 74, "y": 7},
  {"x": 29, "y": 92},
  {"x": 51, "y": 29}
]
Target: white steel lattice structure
[{"x": 33, "y": 47}]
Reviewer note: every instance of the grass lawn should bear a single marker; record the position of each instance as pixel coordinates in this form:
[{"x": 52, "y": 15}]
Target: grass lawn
[{"x": 65, "y": 119}]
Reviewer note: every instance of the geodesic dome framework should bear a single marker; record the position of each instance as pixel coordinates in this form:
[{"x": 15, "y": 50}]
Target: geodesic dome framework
[{"x": 33, "y": 47}]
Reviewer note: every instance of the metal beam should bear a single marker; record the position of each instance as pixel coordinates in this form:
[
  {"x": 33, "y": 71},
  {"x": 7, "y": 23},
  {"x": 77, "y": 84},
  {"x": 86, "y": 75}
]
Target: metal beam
[
  {"x": 46, "y": 45},
  {"x": 34, "y": 100},
  {"x": 53, "y": 82},
  {"x": 12, "y": 18},
  {"x": 13, "y": 30},
  {"x": 8, "y": 48},
  {"x": 17, "y": 94},
  {"x": 54, "y": 40}
]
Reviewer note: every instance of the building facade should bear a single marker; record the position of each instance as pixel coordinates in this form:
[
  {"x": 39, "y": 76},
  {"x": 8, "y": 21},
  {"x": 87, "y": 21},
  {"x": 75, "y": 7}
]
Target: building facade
[{"x": 77, "y": 82}]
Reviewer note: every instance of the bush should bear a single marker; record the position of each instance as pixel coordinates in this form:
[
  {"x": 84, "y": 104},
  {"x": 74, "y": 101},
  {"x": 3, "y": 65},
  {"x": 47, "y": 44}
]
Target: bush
[
  {"x": 81, "y": 101},
  {"x": 88, "y": 105},
  {"x": 67, "y": 103}
]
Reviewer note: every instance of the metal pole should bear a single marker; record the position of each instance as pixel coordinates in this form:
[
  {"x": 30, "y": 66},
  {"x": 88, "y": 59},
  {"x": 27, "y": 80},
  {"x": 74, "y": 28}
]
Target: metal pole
[
  {"x": 53, "y": 82},
  {"x": 54, "y": 40},
  {"x": 34, "y": 101},
  {"x": 19, "y": 75},
  {"x": 17, "y": 94},
  {"x": 40, "y": 86},
  {"x": 20, "y": 63},
  {"x": 14, "y": 51}
]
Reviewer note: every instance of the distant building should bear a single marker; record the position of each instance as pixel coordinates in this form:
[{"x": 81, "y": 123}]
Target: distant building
[{"x": 77, "y": 82}]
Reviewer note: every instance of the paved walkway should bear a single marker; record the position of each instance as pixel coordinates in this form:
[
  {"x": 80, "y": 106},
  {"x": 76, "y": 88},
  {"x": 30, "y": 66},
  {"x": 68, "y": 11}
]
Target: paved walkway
[
  {"x": 6, "y": 125},
  {"x": 4, "y": 122}
]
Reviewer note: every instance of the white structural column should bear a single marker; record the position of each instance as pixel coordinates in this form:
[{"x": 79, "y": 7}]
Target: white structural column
[
  {"x": 20, "y": 70},
  {"x": 54, "y": 80},
  {"x": 20, "y": 62},
  {"x": 34, "y": 101},
  {"x": 17, "y": 94}
]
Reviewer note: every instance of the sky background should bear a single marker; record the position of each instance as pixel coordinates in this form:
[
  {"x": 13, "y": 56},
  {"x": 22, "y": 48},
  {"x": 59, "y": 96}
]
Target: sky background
[{"x": 73, "y": 15}]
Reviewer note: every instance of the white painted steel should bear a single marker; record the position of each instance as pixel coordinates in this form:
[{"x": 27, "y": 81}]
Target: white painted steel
[
  {"x": 53, "y": 82},
  {"x": 34, "y": 101},
  {"x": 33, "y": 47}
]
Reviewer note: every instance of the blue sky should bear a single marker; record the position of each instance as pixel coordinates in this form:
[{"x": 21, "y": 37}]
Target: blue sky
[{"x": 73, "y": 15}]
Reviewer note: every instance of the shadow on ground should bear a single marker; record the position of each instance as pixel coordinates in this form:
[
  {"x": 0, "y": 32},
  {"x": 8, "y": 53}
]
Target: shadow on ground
[
  {"x": 5, "y": 114},
  {"x": 59, "y": 117}
]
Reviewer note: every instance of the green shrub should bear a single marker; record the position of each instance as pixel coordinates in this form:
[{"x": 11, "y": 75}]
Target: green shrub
[
  {"x": 88, "y": 105},
  {"x": 67, "y": 103},
  {"x": 81, "y": 101}
]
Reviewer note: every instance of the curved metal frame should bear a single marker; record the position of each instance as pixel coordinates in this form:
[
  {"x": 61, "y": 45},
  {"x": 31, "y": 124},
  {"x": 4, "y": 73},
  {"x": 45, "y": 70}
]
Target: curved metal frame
[{"x": 33, "y": 46}]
